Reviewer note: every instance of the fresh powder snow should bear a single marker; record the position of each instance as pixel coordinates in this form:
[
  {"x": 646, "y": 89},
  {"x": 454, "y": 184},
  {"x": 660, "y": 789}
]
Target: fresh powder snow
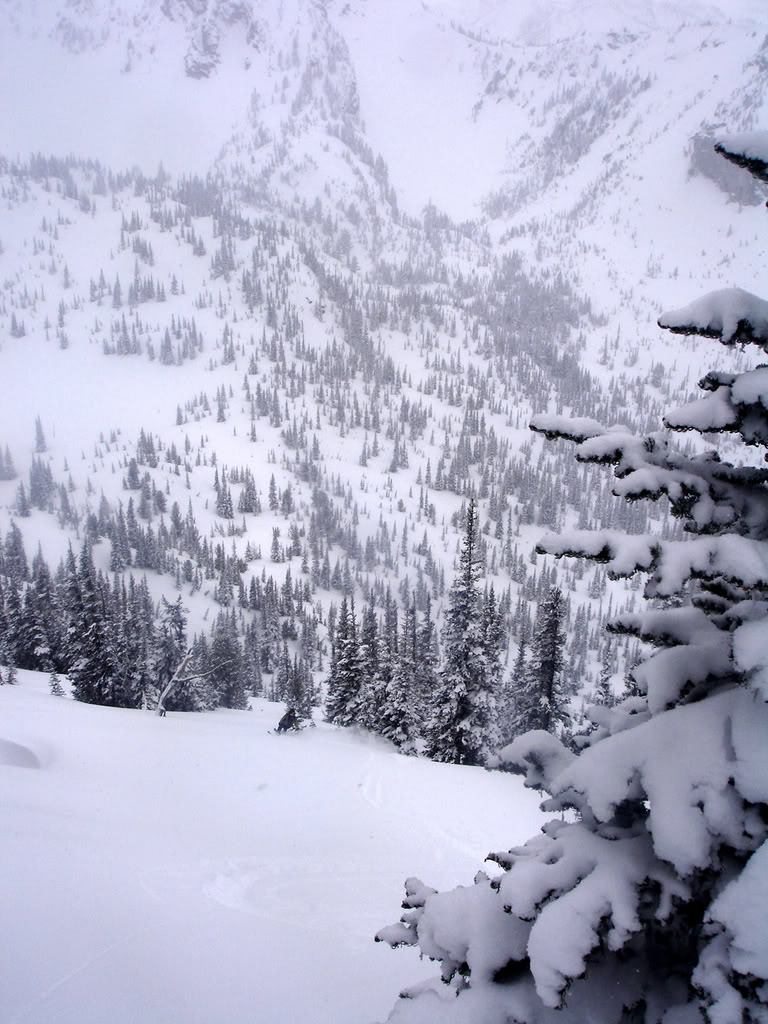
[{"x": 200, "y": 868}]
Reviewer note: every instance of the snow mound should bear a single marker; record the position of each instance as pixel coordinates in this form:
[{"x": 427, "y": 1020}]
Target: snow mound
[{"x": 17, "y": 756}]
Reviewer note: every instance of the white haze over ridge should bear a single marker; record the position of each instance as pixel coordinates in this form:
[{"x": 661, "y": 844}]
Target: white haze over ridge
[
  {"x": 538, "y": 22},
  {"x": 422, "y": 82},
  {"x": 124, "y": 98},
  {"x": 84, "y": 104}
]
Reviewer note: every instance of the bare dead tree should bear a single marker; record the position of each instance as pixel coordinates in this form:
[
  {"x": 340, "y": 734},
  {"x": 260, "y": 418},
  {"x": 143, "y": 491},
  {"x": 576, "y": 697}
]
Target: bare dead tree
[{"x": 181, "y": 676}]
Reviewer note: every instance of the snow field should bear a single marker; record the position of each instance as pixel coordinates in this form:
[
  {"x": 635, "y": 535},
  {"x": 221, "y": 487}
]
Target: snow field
[{"x": 198, "y": 868}]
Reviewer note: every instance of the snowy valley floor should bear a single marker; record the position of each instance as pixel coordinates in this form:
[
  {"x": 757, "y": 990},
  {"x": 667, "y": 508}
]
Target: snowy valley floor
[{"x": 198, "y": 869}]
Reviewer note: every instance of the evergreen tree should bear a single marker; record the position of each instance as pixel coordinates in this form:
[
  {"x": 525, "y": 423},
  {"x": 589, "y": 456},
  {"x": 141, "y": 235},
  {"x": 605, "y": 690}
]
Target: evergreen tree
[
  {"x": 396, "y": 720},
  {"x": 13, "y": 622},
  {"x": 270, "y": 640},
  {"x": 15, "y": 558},
  {"x": 41, "y": 484},
  {"x": 227, "y": 663},
  {"x": 276, "y": 553},
  {"x": 134, "y": 641},
  {"x": 224, "y": 506},
  {"x": 7, "y": 468},
  {"x": 283, "y": 675},
  {"x": 272, "y": 499},
  {"x": 169, "y": 649},
  {"x": 343, "y": 700},
  {"x": 11, "y": 675},
  {"x": 22, "y": 501},
  {"x": 426, "y": 667},
  {"x": 251, "y": 669},
  {"x": 90, "y": 655},
  {"x": 604, "y": 692},
  {"x": 7, "y": 658},
  {"x": 373, "y": 687},
  {"x": 54, "y": 683},
  {"x": 249, "y": 499},
  {"x": 494, "y": 635},
  {"x": 514, "y": 685},
  {"x": 40, "y": 442},
  {"x": 46, "y": 614},
  {"x": 462, "y": 726},
  {"x": 120, "y": 555},
  {"x": 32, "y": 649},
  {"x": 541, "y": 702},
  {"x": 298, "y": 693}
]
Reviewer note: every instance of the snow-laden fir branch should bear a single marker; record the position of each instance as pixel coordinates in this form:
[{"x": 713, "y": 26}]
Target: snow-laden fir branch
[{"x": 748, "y": 150}]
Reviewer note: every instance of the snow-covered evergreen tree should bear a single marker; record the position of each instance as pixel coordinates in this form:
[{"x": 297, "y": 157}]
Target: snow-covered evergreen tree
[
  {"x": 463, "y": 727},
  {"x": 342, "y": 705},
  {"x": 541, "y": 700},
  {"x": 650, "y": 905},
  {"x": 89, "y": 650},
  {"x": 136, "y": 639},
  {"x": 11, "y": 676},
  {"x": 426, "y": 669},
  {"x": 603, "y": 691},
  {"x": 170, "y": 647},
  {"x": 396, "y": 719},
  {"x": 40, "y": 442},
  {"x": 511, "y": 687},
  {"x": 302, "y": 689},
  {"x": 57, "y": 690},
  {"x": 15, "y": 558},
  {"x": 41, "y": 615},
  {"x": 227, "y": 663},
  {"x": 373, "y": 686}
]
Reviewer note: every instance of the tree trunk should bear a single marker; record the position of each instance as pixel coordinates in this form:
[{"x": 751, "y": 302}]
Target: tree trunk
[{"x": 170, "y": 686}]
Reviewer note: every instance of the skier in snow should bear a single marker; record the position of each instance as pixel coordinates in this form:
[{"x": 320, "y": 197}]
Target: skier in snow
[{"x": 288, "y": 721}]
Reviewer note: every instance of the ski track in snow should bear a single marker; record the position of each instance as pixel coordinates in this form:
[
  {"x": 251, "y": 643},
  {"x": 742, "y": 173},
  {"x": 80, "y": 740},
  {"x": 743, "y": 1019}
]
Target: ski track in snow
[
  {"x": 60, "y": 983},
  {"x": 314, "y": 896},
  {"x": 372, "y": 786}
]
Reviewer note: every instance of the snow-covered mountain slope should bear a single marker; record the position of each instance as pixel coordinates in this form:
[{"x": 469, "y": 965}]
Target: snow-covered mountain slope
[
  {"x": 268, "y": 375},
  {"x": 281, "y": 311},
  {"x": 193, "y": 868},
  {"x": 473, "y": 99}
]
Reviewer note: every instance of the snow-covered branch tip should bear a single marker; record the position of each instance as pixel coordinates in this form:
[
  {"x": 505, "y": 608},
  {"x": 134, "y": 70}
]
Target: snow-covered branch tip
[
  {"x": 539, "y": 756},
  {"x": 572, "y": 429},
  {"x": 731, "y": 315},
  {"x": 623, "y": 554},
  {"x": 748, "y": 150}
]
